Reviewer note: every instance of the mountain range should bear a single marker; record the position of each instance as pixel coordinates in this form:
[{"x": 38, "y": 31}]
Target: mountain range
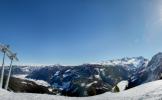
[{"x": 91, "y": 79}]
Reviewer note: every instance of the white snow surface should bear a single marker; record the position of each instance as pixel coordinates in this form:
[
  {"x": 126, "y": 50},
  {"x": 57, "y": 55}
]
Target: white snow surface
[
  {"x": 88, "y": 85},
  {"x": 21, "y": 76},
  {"x": 39, "y": 82},
  {"x": 122, "y": 85},
  {"x": 57, "y": 73},
  {"x": 148, "y": 91},
  {"x": 97, "y": 76}
]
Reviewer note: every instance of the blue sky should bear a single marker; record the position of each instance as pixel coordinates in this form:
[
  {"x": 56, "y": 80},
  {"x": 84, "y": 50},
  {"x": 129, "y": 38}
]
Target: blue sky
[{"x": 80, "y": 31}]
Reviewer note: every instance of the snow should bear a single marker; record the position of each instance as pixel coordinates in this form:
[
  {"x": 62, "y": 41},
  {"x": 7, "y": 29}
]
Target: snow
[
  {"x": 28, "y": 68},
  {"x": 88, "y": 85},
  {"x": 57, "y": 73},
  {"x": 65, "y": 75},
  {"x": 39, "y": 82},
  {"x": 148, "y": 91},
  {"x": 24, "y": 82},
  {"x": 97, "y": 76},
  {"x": 21, "y": 76},
  {"x": 68, "y": 70},
  {"x": 135, "y": 61},
  {"x": 122, "y": 85},
  {"x": 50, "y": 89},
  {"x": 82, "y": 84}
]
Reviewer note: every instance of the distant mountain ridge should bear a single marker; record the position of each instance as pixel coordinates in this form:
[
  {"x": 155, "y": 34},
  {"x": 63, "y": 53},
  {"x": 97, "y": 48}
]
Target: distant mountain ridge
[
  {"x": 95, "y": 78},
  {"x": 129, "y": 62},
  {"x": 88, "y": 79}
]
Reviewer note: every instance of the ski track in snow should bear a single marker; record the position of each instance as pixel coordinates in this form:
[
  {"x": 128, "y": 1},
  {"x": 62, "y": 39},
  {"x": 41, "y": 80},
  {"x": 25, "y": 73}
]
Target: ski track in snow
[{"x": 148, "y": 91}]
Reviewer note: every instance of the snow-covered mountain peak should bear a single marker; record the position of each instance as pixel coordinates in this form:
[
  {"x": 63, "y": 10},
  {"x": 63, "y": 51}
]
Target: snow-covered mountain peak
[{"x": 134, "y": 62}]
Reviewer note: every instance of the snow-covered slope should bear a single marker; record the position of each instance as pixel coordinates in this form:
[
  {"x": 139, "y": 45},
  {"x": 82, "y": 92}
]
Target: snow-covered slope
[
  {"x": 122, "y": 85},
  {"x": 148, "y": 91},
  {"x": 39, "y": 82}
]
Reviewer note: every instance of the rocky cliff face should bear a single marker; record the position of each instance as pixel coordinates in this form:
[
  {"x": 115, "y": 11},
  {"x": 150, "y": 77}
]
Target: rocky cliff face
[{"x": 154, "y": 68}]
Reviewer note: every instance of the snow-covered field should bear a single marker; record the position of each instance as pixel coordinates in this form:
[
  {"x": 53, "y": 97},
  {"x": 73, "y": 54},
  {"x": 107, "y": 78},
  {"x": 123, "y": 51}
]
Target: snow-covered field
[
  {"x": 39, "y": 82},
  {"x": 148, "y": 91}
]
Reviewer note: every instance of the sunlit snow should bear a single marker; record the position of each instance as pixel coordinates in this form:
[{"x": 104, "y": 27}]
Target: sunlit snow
[{"x": 149, "y": 91}]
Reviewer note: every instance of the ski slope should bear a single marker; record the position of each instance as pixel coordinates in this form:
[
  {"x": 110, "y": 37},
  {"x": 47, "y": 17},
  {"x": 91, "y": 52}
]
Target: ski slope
[{"x": 148, "y": 91}]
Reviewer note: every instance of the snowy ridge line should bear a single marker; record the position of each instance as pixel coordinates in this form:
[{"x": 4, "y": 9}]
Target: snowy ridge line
[{"x": 136, "y": 61}]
